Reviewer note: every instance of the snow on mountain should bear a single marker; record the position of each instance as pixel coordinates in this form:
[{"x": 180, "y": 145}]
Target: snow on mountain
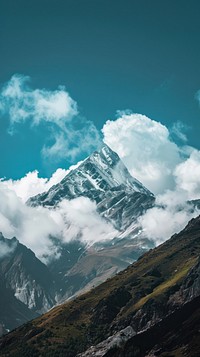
[
  {"x": 101, "y": 171},
  {"x": 103, "y": 178}
]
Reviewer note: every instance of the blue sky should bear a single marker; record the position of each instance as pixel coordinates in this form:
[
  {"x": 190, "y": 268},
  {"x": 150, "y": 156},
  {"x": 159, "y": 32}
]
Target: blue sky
[{"x": 109, "y": 55}]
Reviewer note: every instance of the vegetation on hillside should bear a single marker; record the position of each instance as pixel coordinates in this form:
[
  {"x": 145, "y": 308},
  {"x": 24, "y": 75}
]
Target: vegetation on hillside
[{"x": 74, "y": 326}]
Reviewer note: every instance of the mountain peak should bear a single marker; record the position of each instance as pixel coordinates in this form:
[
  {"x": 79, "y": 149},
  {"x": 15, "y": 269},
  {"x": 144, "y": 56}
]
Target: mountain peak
[
  {"x": 101, "y": 172},
  {"x": 106, "y": 154}
]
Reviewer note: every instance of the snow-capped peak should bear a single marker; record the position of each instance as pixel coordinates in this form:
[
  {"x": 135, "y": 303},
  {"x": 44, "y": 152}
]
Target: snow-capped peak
[{"x": 102, "y": 171}]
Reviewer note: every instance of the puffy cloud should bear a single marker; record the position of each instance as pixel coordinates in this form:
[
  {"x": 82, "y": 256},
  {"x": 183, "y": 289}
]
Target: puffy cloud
[
  {"x": 170, "y": 216},
  {"x": 22, "y": 103},
  {"x": 82, "y": 219},
  {"x": 31, "y": 184},
  {"x": 173, "y": 208},
  {"x": 5, "y": 248},
  {"x": 31, "y": 226},
  {"x": 70, "y": 134},
  {"x": 34, "y": 226},
  {"x": 146, "y": 149},
  {"x": 187, "y": 175}
]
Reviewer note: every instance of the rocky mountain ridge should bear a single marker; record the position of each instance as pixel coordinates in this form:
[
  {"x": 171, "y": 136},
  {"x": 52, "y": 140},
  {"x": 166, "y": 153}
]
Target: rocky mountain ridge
[
  {"x": 13, "y": 312},
  {"x": 27, "y": 277}
]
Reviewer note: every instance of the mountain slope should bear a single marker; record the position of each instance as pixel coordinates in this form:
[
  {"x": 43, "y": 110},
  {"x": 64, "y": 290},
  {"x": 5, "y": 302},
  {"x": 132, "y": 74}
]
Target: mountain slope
[
  {"x": 155, "y": 296},
  {"x": 26, "y": 276},
  {"x": 13, "y": 312}
]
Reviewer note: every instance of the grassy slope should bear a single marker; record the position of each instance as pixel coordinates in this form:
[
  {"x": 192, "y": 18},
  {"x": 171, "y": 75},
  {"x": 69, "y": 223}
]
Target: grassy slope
[{"x": 75, "y": 325}]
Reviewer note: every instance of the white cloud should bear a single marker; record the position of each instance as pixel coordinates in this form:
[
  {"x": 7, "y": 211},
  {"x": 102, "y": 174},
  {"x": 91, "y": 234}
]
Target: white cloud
[
  {"x": 187, "y": 175},
  {"x": 81, "y": 219},
  {"x": 34, "y": 226},
  {"x": 22, "y": 103},
  {"x": 31, "y": 184},
  {"x": 70, "y": 142},
  {"x": 178, "y": 130},
  {"x": 6, "y": 249},
  {"x": 70, "y": 134},
  {"x": 31, "y": 226},
  {"x": 170, "y": 216},
  {"x": 146, "y": 149}
]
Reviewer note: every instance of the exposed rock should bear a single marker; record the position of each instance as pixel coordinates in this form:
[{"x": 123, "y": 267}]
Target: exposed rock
[
  {"x": 28, "y": 278},
  {"x": 110, "y": 344}
]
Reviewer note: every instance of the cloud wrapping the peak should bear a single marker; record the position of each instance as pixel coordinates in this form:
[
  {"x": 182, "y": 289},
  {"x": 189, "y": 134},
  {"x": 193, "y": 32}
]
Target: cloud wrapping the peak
[
  {"x": 82, "y": 220},
  {"x": 146, "y": 149},
  {"x": 170, "y": 215},
  {"x": 187, "y": 175},
  {"x": 34, "y": 226},
  {"x": 31, "y": 226},
  {"x": 69, "y": 133}
]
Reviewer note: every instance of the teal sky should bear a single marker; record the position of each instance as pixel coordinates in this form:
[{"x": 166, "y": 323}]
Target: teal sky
[{"x": 110, "y": 55}]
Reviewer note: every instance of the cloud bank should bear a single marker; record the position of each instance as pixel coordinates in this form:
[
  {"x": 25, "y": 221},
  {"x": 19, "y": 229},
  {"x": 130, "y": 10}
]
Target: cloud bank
[
  {"x": 34, "y": 226},
  {"x": 170, "y": 215},
  {"x": 6, "y": 249},
  {"x": 70, "y": 134},
  {"x": 187, "y": 175},
  {"x": 31, "y": 184}
]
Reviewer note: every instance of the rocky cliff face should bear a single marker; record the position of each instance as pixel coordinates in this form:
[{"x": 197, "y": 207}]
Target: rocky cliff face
[
  {"x": 13, "y": 312},
  {"x": 26, "y": 276}
]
